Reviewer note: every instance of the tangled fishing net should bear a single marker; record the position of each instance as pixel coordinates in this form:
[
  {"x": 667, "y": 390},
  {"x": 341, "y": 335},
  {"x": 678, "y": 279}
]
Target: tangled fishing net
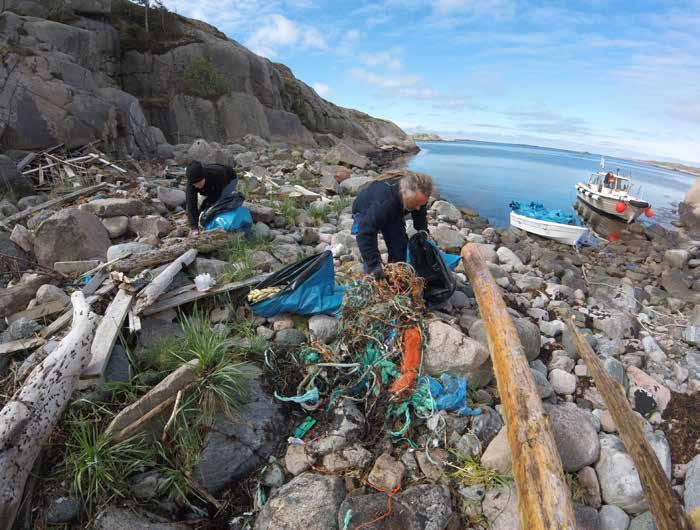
[{"x": 376, "y": 357}]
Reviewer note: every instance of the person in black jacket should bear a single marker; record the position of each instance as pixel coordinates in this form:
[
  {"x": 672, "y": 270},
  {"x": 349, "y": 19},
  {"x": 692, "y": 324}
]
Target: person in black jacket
[
  {"x": 208, "y": 180},
  {"x": 381, "y": 207}
]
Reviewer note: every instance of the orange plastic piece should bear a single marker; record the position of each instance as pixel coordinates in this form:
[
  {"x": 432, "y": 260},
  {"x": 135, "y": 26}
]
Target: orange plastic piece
[{"x": 411, "y": 361}]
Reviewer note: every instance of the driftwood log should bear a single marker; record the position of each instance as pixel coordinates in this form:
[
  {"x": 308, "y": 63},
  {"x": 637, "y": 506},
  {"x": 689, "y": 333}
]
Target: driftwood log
[
  {"x": 205, "y": 242},
  {"x": 161, "y": 282},
  {"x": 27, "y": 420},
  {"x": 543, "y": 495},
  {"x": 667, "y": 511}
]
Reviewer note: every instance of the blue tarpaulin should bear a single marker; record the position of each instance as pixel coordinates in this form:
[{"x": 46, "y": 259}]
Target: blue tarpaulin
[
  {"x": 536, "y": 210},
  {"x": 311, "y": 289},
  {"x": 231, "y": 221}
]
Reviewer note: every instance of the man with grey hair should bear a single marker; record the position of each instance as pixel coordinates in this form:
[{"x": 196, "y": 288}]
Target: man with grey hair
[{"x": 381, "y": 207}]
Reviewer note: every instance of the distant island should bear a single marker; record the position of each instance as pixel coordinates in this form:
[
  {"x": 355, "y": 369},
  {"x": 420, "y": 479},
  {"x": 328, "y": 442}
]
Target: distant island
[
  {"x": 690, "y": 170},
  {"x": 426, "y": 137}
]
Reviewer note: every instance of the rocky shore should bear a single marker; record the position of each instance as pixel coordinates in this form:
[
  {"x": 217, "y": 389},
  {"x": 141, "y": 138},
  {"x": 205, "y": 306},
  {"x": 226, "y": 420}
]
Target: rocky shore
[{"x": 635, "y": 299}]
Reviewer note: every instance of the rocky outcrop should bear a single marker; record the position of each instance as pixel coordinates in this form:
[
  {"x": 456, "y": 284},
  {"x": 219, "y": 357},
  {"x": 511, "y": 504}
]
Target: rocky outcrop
[
  {"x": 689, "y": 209},
  {"x": 88, "y": 78}
]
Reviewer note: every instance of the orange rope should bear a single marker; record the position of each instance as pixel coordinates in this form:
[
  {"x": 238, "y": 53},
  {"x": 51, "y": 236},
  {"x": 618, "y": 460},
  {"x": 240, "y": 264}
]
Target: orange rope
[
  {"x": 410, "y": 363},
  {"x": 389, "y": 506}
]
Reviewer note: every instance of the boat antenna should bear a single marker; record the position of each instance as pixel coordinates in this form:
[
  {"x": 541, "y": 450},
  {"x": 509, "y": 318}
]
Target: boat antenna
[{"x": 602, "y": 162}]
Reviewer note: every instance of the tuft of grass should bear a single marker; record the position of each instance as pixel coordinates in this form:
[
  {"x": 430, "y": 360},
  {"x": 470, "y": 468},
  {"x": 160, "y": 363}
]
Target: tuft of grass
[
  {"x": 288, "y": 210},
  {"x": 339, "y": 205},
  {"x": 469, "y": 472},
  {"x": 578, "y": 492},
  {"x": 239, "y": 250},
  {"x": 99, "y": 467},
  {"x": 247, "y": 338},
  {"x": 319, "y": 213}
]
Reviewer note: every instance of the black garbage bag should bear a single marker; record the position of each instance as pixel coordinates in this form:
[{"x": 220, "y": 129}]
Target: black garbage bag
[
  {"x": 430, "y": 265},
  {"x": 230, "y": 200}
]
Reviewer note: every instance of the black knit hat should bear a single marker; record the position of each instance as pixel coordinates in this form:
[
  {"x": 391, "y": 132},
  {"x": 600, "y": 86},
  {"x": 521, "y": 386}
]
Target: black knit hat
[{"x": 194, "y": 172}]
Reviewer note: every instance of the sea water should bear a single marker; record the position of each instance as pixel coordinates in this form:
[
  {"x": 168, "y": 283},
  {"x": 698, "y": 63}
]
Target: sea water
[{"x": 487, "y": 176}]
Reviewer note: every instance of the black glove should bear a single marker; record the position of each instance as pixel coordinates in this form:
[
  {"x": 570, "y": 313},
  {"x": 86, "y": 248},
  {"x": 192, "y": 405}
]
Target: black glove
[{"x": 378, "y": 272}]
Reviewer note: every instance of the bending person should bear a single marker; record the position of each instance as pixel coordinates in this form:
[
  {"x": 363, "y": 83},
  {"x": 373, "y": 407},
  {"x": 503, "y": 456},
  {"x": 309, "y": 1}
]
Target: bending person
[
  {"x": 381, "y": 207},
  {"x": 208, "y": 180}
]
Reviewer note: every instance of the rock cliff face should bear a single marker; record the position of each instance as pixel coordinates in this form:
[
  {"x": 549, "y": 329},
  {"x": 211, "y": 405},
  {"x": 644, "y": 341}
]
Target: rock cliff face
[{"x": 74, "y": 71}]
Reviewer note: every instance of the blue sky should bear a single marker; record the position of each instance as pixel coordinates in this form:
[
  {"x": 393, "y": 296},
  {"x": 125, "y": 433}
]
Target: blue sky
[{"x": 616, "y": 77}]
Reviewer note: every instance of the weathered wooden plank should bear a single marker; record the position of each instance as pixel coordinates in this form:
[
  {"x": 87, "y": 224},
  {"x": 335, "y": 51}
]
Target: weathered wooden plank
[
  {"x": 106, "y": 336},
  {"x": 40, "y": 311},
  {"x": 205, "y": 242},
  {"x": 668, "y": 513},
  {"x": 20, "y": 345},
  {"x": 161, "y": 282},
  {"x": 193, "y": 296},
  {"x": 6, "y": 223},
  {"x": 543, "y": 495}
]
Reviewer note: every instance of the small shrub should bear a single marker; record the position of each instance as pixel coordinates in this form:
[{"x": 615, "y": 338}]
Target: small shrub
[
  {"x": 202, "y": 80},
  {"x": 318, "y": 213}
]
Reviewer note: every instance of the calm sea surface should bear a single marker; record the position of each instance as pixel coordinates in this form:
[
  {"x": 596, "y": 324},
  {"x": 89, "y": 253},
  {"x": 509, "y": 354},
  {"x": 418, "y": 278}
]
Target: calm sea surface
[{"x": 486, "y": 176}]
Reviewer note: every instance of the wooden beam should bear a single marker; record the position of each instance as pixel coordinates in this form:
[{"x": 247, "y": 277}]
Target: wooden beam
[
  {"x": 19, "y": 345},
  {"x": 668, "y": 513},
  {"x": 161, "y": 282},
  {"x": 193, "y": 296},
  {"x": 205, "y": 242},
  {"x": 6, "y": 223},
  {"x": 40, "y": 311},
  {"x": 28, "y": 418},
  {"x": 106, "y": 336},
  {"x": 543, "y": 495}
]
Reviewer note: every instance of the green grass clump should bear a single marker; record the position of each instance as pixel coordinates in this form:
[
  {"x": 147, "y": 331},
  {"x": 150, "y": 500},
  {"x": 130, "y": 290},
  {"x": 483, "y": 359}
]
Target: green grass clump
[
  {"x": 339, "y": 205},
  {"x": 100, "y": 467},
  {"x": 319, "y": 213},
  {"x": 239, "y": 251},
  {"x": 288, "y": 210},
  {"x": 469, "y": 472}
]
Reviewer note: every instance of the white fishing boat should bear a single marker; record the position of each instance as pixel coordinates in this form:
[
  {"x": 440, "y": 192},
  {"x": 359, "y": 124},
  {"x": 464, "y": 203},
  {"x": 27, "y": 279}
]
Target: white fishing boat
[
  {"x": 554, "y": 225},
  {"x": 611, "y": 194}
]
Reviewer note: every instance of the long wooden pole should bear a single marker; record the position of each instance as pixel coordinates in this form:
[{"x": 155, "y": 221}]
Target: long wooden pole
[
  {"x": 667, "y": 512},
  {"x": 543, "y": 495}
]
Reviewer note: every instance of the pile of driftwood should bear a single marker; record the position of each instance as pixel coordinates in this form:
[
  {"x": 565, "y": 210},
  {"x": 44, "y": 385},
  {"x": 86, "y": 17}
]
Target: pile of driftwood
[
  {"x": 57, "y": 166},
  {"x": 130, "y": 287}
]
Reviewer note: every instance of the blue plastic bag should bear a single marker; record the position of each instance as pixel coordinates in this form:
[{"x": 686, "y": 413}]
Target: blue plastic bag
[
  {"x": 309, "y": 289},
  {"x": 232, "y": 221},
  {"x": 449, "y": 393}
]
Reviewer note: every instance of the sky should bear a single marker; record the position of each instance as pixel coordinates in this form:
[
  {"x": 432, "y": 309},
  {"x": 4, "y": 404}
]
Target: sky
[{"x": 615, "y": 77}]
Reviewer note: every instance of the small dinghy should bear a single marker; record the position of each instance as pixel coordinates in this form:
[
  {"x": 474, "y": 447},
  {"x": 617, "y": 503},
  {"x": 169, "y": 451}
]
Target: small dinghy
[{"x": 552, "y": 224}]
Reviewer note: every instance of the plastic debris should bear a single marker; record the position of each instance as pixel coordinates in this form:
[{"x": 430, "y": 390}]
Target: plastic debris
[
  {"x": 310, "y": 396},
  {"x": 411, "y": 361},
  {"x": 204, "y": 282},
  {"x": 536, "y": 210},
  {"x": 304, "y": 427}
]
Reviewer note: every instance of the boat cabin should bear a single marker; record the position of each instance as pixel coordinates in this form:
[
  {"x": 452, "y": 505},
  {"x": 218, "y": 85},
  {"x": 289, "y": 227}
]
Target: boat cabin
[{"x": 610, "y": 182}]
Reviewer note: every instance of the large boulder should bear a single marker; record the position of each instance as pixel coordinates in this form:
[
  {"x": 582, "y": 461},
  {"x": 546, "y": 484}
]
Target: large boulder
[
  {"x": 450, "y": 350},
  {"x": 448, "y": 239},
  {"x": 619, "y": 481},
  {"x": 235, "y": 447},
  {"x": 113, "y": 518},
  {"x": 115, "y": 207},
  {"x": 12, "y": 182},
  {"x": 689, "y": 209},
  {"x": 574, "y": 434},
  {"x": 422, "y": 507},
  {"x": 354, "y": 185},
  {"x": 308, "y": 501},
  {"x": 12, "y": 258},
  {"x": 343, "y": 154},
  {"x": 447, "y": 210},
  {"x": 70, "y": 235}
]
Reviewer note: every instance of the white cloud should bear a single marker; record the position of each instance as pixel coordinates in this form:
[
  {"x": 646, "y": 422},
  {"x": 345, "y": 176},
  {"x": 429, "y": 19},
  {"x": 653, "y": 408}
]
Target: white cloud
[
  {"x": 387, "y": 58},
  {"x": 277, "y": 31},
  {"x": 321, "y": 89},
  {"x": 397, "y": 82}
]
